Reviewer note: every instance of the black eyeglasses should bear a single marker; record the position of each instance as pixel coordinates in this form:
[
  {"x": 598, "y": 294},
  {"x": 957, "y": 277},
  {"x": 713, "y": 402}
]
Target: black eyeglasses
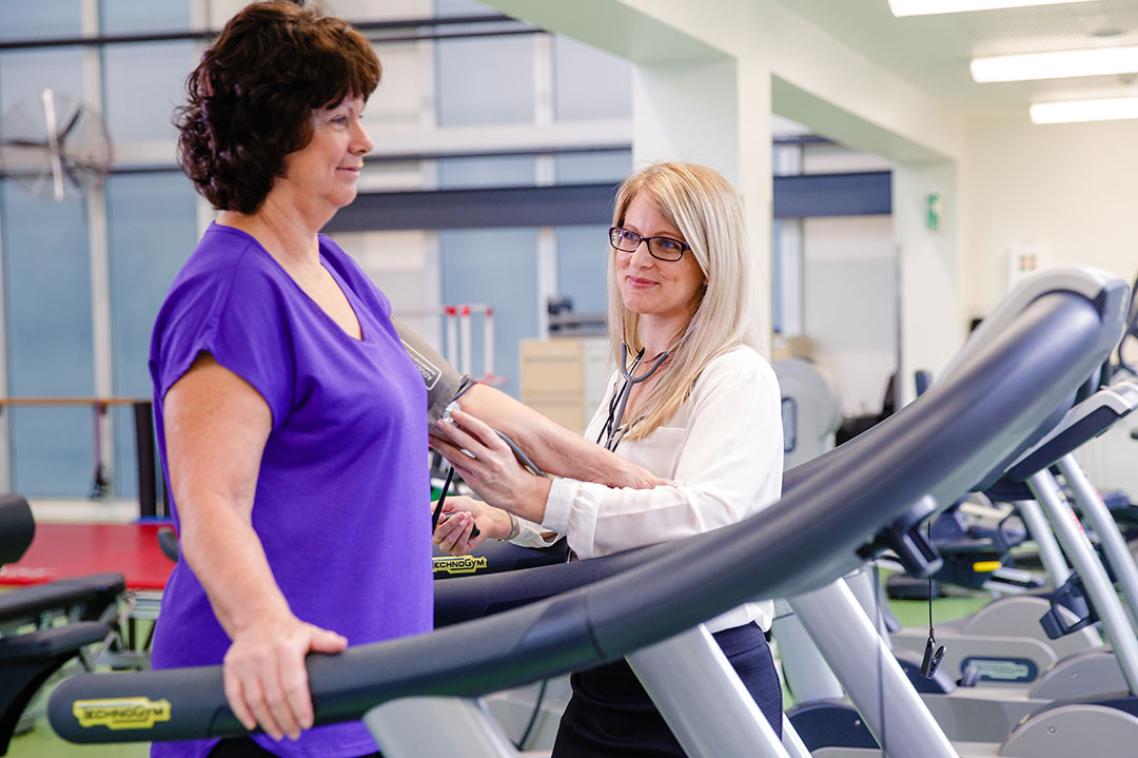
[{"x": 660, "y": 248}]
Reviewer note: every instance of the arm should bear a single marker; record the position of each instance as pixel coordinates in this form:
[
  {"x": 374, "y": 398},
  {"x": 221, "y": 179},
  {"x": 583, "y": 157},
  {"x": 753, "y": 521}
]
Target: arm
[
  {"x": 554, "y": 448},
  {"x": 216, "y": 428},
  {"x": 461, "y": 513},
  {"x": 551, "y": 446},
  {"x": 729, "y": 461}
]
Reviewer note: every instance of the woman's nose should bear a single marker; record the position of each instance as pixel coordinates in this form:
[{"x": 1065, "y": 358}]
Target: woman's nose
[
  {"x": 640, "y": 257},
  {"x": 361, "y": 140}
]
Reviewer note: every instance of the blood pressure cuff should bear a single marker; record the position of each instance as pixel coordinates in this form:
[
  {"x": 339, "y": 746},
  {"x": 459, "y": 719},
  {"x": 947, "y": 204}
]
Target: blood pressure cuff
[{"x": 443, "y": 383}]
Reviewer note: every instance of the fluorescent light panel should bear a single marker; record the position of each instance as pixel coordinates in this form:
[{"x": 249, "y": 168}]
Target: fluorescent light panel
[
  {"x": 1103, "y": 61},
  {"x": 1074, "y": 111},
  {"x": 933, "y": 7}
]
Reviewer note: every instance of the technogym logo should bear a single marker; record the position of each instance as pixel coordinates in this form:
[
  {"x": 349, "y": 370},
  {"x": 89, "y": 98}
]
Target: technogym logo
[
  {"x": 121, "y": 713},
  {"x": 459, "y": 564}
]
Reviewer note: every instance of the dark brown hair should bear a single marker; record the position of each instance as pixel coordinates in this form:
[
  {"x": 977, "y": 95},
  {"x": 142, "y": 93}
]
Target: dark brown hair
[{"x": 251, "y": 96}]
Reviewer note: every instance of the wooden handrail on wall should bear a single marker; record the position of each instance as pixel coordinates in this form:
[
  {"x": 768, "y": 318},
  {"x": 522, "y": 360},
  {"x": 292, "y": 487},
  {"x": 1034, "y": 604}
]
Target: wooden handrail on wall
[{"x": 91, "y": 401}]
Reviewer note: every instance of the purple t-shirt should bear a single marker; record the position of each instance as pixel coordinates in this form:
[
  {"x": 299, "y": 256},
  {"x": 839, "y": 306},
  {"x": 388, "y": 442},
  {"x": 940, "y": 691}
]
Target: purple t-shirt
[{"x": 342, "y": 497}]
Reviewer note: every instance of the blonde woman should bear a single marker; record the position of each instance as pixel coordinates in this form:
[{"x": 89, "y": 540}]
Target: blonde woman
[{"x": 692, "y": 402}]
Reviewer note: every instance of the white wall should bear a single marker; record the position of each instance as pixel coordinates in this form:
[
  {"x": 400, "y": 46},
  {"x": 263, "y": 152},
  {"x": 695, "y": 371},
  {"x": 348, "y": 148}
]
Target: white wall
[
  {"x": 1070, "y": 191},
  {"x": 850, "y": 304}
]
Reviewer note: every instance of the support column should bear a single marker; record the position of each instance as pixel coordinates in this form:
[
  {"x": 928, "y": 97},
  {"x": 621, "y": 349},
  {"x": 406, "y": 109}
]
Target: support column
[
  {"x": 928, "y": 283},
  {"x": 715, "y": 112},
  {"x": 96, "y": 204}
]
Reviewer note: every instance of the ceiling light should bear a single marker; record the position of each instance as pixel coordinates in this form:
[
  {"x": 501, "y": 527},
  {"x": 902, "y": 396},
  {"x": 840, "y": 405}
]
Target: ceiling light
[
  {"x": 1068, "y": 63},
  {"x": 1074, "y": 111},
  {"x": 931, "y": 7}
]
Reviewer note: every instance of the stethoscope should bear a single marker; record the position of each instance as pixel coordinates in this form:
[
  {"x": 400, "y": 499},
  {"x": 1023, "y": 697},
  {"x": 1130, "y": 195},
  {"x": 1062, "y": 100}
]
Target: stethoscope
[{"x": 613, "y": 432}]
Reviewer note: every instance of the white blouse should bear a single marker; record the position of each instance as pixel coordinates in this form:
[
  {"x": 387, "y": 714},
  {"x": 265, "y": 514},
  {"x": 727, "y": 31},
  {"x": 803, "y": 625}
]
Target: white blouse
[{"x": 722, "y": 451}]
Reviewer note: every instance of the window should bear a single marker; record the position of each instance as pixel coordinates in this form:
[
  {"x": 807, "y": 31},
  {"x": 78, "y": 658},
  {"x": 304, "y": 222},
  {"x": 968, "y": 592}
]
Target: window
[
  {"x": 151, "y": 229},
  {"x": 582, "y": 261},
  {"x": 47, "y": 298},
  {"x": 497, "y": 267}
]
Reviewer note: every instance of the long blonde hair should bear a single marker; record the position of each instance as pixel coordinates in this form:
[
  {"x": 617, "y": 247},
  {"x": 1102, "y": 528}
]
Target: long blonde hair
[{"x": 707, "y": 211}]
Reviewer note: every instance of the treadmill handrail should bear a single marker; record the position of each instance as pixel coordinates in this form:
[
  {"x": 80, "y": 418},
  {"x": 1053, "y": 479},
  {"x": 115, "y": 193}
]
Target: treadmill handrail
[
  {"x": 1082, "y": 423},
  {"x": 1086, "y": 281},
  {"x": 937, "y": 446}
]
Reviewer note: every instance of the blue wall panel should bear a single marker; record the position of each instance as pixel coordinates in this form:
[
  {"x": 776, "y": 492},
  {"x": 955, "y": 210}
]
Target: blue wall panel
[{"x": 497, "y": 267}]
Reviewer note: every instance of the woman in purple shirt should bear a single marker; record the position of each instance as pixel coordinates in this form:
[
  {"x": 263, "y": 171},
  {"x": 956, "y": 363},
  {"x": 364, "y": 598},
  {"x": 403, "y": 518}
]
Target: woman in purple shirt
[{"x": 290, "y": 421}]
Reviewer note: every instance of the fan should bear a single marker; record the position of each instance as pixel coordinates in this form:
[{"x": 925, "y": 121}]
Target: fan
[{"x": 55, "y": 146}]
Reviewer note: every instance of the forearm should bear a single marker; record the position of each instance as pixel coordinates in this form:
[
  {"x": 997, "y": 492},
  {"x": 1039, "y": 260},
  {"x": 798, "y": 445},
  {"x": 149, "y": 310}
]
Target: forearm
[
  {"x": 554, "y": 448},
  {"x": 601, "y": 520},
  {"x": 219, "y": 544},
  {"x": 532, "y": 501}
]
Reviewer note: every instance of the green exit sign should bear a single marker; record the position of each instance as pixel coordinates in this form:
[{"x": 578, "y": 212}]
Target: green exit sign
[{"x": 934, "y": 209}]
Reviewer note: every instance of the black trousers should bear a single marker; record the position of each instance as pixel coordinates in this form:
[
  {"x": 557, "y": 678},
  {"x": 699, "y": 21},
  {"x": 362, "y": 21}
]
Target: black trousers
[{"x": 610, "y": 714}]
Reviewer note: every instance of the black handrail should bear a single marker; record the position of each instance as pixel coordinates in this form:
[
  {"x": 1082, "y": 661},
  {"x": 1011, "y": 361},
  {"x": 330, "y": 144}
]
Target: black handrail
[
  {"x": 373, "y": 30},
  {"x": 939, "y": 446}
]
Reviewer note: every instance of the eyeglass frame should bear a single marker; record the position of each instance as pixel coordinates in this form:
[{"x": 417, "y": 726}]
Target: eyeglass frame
[{"x": 684, "y": 247}]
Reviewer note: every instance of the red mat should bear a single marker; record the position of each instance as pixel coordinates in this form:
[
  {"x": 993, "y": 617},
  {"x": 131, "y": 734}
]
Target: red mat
[{"x": 62, "y": 551}]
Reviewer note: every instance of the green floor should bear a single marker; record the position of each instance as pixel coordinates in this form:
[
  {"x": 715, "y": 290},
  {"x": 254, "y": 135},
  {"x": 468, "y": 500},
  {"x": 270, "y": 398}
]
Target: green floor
[{"x": 41, "y": 742}]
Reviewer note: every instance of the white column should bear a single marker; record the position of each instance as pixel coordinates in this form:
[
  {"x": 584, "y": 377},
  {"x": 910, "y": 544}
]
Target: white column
[
  {"x": 5, "y": 418},
  {"x": 715, "y": 112},
  {"x": 99, "y": 260},
  {"x": 929, "y": 311},
  {"x": 428, "y": 110},
  {"x": 755, "y": 182},
  {"x": 546, "y": 277},
  {"x": 544, "y": 176}
]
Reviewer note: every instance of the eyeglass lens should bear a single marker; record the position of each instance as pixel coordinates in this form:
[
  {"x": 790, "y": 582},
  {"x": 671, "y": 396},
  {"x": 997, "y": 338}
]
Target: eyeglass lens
[{"x": 664, "y": 248}]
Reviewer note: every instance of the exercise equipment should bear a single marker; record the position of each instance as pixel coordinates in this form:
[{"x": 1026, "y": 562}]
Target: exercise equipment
[
  {"x": 841, "y": 509},
  {"x": 811, "y": 411},
  {"x": 1005, "y": 641},
  {"x": 1037, "y": 726},
  {"x": 42, "y": 627}
]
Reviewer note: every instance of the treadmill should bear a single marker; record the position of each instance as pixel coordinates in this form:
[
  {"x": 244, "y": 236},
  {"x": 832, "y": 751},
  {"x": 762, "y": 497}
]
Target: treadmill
[{"x": 862, "y": 498}]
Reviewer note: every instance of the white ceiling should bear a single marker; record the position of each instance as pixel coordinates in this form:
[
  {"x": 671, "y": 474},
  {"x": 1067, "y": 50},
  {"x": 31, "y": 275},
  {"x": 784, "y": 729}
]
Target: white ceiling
[{"x": 933, "y": 51}]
